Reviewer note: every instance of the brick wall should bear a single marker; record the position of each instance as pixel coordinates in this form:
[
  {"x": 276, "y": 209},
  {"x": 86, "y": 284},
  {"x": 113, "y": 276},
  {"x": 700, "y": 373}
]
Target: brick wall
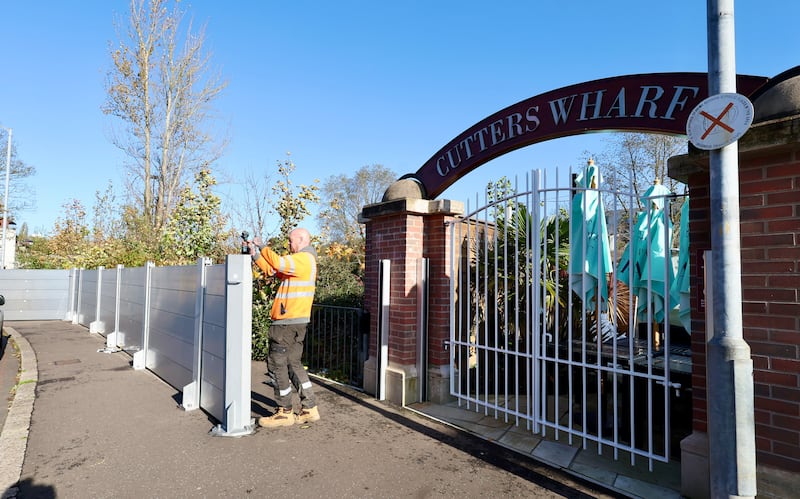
[
  {"x": 770, "y": 243},
  {"x": 405, "y": 237},
  {"x": 437, "y": 242},
  {"x": 399, "y": 239},
  {"x": 699, "y": 240}
]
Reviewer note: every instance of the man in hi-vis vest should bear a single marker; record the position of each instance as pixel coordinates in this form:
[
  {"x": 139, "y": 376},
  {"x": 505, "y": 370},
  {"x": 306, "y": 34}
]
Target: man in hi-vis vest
[{"x": 291, "y": 313}]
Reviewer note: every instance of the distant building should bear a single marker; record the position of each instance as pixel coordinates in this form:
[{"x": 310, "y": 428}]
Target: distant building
[{"x": 9, "y": 250}]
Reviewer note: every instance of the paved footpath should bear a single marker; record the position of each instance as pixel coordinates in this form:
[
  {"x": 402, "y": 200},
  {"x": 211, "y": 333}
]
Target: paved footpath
[{"x": 100, "y": 429}]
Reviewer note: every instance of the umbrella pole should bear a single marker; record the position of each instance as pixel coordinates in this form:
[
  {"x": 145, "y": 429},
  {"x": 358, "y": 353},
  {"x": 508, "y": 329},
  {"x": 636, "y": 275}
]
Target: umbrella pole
[
  {"x": 656, "y": 336},
  {"x": 599, "y": 325}
]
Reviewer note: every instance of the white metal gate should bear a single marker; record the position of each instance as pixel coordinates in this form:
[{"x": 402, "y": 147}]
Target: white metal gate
[{"x": 525, "y": 344}]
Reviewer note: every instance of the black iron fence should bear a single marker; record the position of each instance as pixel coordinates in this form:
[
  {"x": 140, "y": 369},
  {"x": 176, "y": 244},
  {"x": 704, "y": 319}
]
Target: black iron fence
[{"x": 337, "y": 343}]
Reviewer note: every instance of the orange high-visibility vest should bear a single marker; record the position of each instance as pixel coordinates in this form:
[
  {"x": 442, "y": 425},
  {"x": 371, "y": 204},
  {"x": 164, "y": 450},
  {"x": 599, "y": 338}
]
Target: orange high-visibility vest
[{"x": 298, "y": 275}]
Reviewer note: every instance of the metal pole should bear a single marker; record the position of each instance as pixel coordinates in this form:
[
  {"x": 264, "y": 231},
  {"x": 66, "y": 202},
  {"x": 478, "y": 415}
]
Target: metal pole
[
  {"x": 5, "y": 200},
  {"x": 731, "y": 427},
  {"x": 423, "y": 270},
  {"x": 384, "y": 298}
]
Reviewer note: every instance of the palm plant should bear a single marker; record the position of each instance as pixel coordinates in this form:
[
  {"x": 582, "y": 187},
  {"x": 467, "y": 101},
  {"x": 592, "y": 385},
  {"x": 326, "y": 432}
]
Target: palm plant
[{"x": 504, "y": 256}]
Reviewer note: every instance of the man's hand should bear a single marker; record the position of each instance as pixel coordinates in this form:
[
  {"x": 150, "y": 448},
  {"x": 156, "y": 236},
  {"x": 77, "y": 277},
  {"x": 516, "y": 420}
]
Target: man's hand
[{"x": 255, "y": 247}]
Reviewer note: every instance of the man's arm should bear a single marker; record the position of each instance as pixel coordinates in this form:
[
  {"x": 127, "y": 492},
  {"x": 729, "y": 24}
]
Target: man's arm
[
  {"x": 257, "y": 254},
  {"x": 270, "y": 262}
]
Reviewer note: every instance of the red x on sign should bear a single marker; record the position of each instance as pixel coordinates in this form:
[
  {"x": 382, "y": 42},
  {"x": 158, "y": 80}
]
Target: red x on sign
[{"x": 719, "y": 120}]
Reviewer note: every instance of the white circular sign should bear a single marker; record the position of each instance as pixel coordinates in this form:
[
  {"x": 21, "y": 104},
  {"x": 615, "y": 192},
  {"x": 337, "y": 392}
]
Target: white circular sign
[{"x": 719, "y": 120}]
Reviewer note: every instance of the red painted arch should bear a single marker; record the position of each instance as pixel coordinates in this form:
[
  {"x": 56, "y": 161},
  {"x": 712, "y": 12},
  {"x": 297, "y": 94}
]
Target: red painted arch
[{"x": 657, "y": 102}]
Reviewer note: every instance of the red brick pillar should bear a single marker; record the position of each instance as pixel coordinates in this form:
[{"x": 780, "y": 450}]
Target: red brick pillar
[{"x": 403, "y": 229}]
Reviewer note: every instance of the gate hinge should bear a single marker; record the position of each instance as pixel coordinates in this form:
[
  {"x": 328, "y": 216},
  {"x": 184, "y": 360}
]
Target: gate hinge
[{"x": 446, "y": 345}]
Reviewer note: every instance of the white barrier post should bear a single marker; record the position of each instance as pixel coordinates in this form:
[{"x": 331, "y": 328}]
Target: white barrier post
[
  {"x": 140, "y": 357},
  {"x": 97, "y": 326},
  {"x": 191, "y": 392},
  {"x": 72, "y": 310},
  {"x": 112, "y": 338},
  {"x": 238, "y": 346},
  {"x": 384, "y": 273},
  {"x": 76, "y": 317}
]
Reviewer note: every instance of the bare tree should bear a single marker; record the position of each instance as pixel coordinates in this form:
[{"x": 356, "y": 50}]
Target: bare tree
[
  {"x": 20, "y": 194},
  {"x": 278, "y": 202},
  {"x": 345, "y": 196},
  {"x": 631, "y": 164},
  {"x": 256, "y": 206},
  {"x": 634, "y": 161},
  {"x": 161, "y": 89}
]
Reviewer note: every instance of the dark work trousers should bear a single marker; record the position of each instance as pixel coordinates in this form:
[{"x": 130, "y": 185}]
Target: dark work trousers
[{"x": 285, "y": 352}]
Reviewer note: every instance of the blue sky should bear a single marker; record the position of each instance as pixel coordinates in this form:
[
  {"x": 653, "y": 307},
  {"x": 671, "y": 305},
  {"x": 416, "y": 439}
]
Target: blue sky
[{"x": 350, "y": 83}]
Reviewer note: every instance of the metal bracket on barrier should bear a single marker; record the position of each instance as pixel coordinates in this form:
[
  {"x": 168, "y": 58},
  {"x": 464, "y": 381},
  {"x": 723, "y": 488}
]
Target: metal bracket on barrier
[{"x": 220, "y": 431}]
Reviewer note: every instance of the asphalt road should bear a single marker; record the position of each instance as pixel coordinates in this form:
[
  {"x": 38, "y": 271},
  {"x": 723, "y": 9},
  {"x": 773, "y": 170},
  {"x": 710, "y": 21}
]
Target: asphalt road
[{"x": 100, "y": 429}]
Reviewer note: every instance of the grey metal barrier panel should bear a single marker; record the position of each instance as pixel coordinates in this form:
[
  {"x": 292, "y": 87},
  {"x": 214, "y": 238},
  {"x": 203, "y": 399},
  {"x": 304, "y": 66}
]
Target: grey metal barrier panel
[
  {"x": 108, "y": 301},
  {"x": 171, "y": 337},
  {"x": 212, "y": 381},
  {"x": 35, "y": 294},
  {"x": 87, "y": 299},
  {"x": 131, "y": 309}
]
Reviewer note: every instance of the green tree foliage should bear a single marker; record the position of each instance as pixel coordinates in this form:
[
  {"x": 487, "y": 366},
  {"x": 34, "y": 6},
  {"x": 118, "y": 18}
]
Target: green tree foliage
[
  {"x": 292, "y": 206},
  {"x": 340, "y": 282},
  {"x": 69, "y": 244},
  {"x": 197, "y": 227},
  {"x": 263, "y": 296},
  {"x": 141, "y": 240},
  {"x": 34, "y": 253}
]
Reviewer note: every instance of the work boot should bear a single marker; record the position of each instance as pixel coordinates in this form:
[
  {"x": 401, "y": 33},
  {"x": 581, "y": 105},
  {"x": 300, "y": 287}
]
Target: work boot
[
  {"x": 308, "y": 415},
  {"x": 282, "y": 417}
]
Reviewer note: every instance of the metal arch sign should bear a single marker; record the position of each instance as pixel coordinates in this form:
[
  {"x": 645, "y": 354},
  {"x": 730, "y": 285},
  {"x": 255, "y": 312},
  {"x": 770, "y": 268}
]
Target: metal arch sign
[
  {"x": 656, "y": 102},
  {"x": 719, "y": 120}
]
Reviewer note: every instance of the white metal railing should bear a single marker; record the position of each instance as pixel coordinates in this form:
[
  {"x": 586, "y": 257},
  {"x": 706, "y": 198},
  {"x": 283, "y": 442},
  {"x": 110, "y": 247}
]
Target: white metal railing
[{"x": 531, "y": 346}]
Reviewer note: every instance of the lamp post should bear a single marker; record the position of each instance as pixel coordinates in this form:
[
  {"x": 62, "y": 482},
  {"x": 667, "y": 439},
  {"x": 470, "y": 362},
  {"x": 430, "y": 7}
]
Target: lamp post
[
  {"x": 731, "y": 419},
  {"x": 5, "y": 198}
]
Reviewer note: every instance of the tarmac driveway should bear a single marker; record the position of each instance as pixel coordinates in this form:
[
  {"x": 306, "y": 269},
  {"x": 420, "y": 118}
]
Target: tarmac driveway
[{"x": 100, "y": 429}]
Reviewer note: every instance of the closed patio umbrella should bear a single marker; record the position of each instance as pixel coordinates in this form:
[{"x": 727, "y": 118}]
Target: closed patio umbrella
[
  {"x": 679, "y": 292},
  {"x": 644, "y": 265},
  {"x": 590, "y": 254}
]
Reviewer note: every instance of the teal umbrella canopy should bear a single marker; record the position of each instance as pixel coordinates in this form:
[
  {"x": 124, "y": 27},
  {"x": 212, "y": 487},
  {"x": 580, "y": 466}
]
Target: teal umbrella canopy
[
  {"x": 590, "y": 254},
  {"x": 646, "y": 263},
  {"x": 679, "y": 293}
]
